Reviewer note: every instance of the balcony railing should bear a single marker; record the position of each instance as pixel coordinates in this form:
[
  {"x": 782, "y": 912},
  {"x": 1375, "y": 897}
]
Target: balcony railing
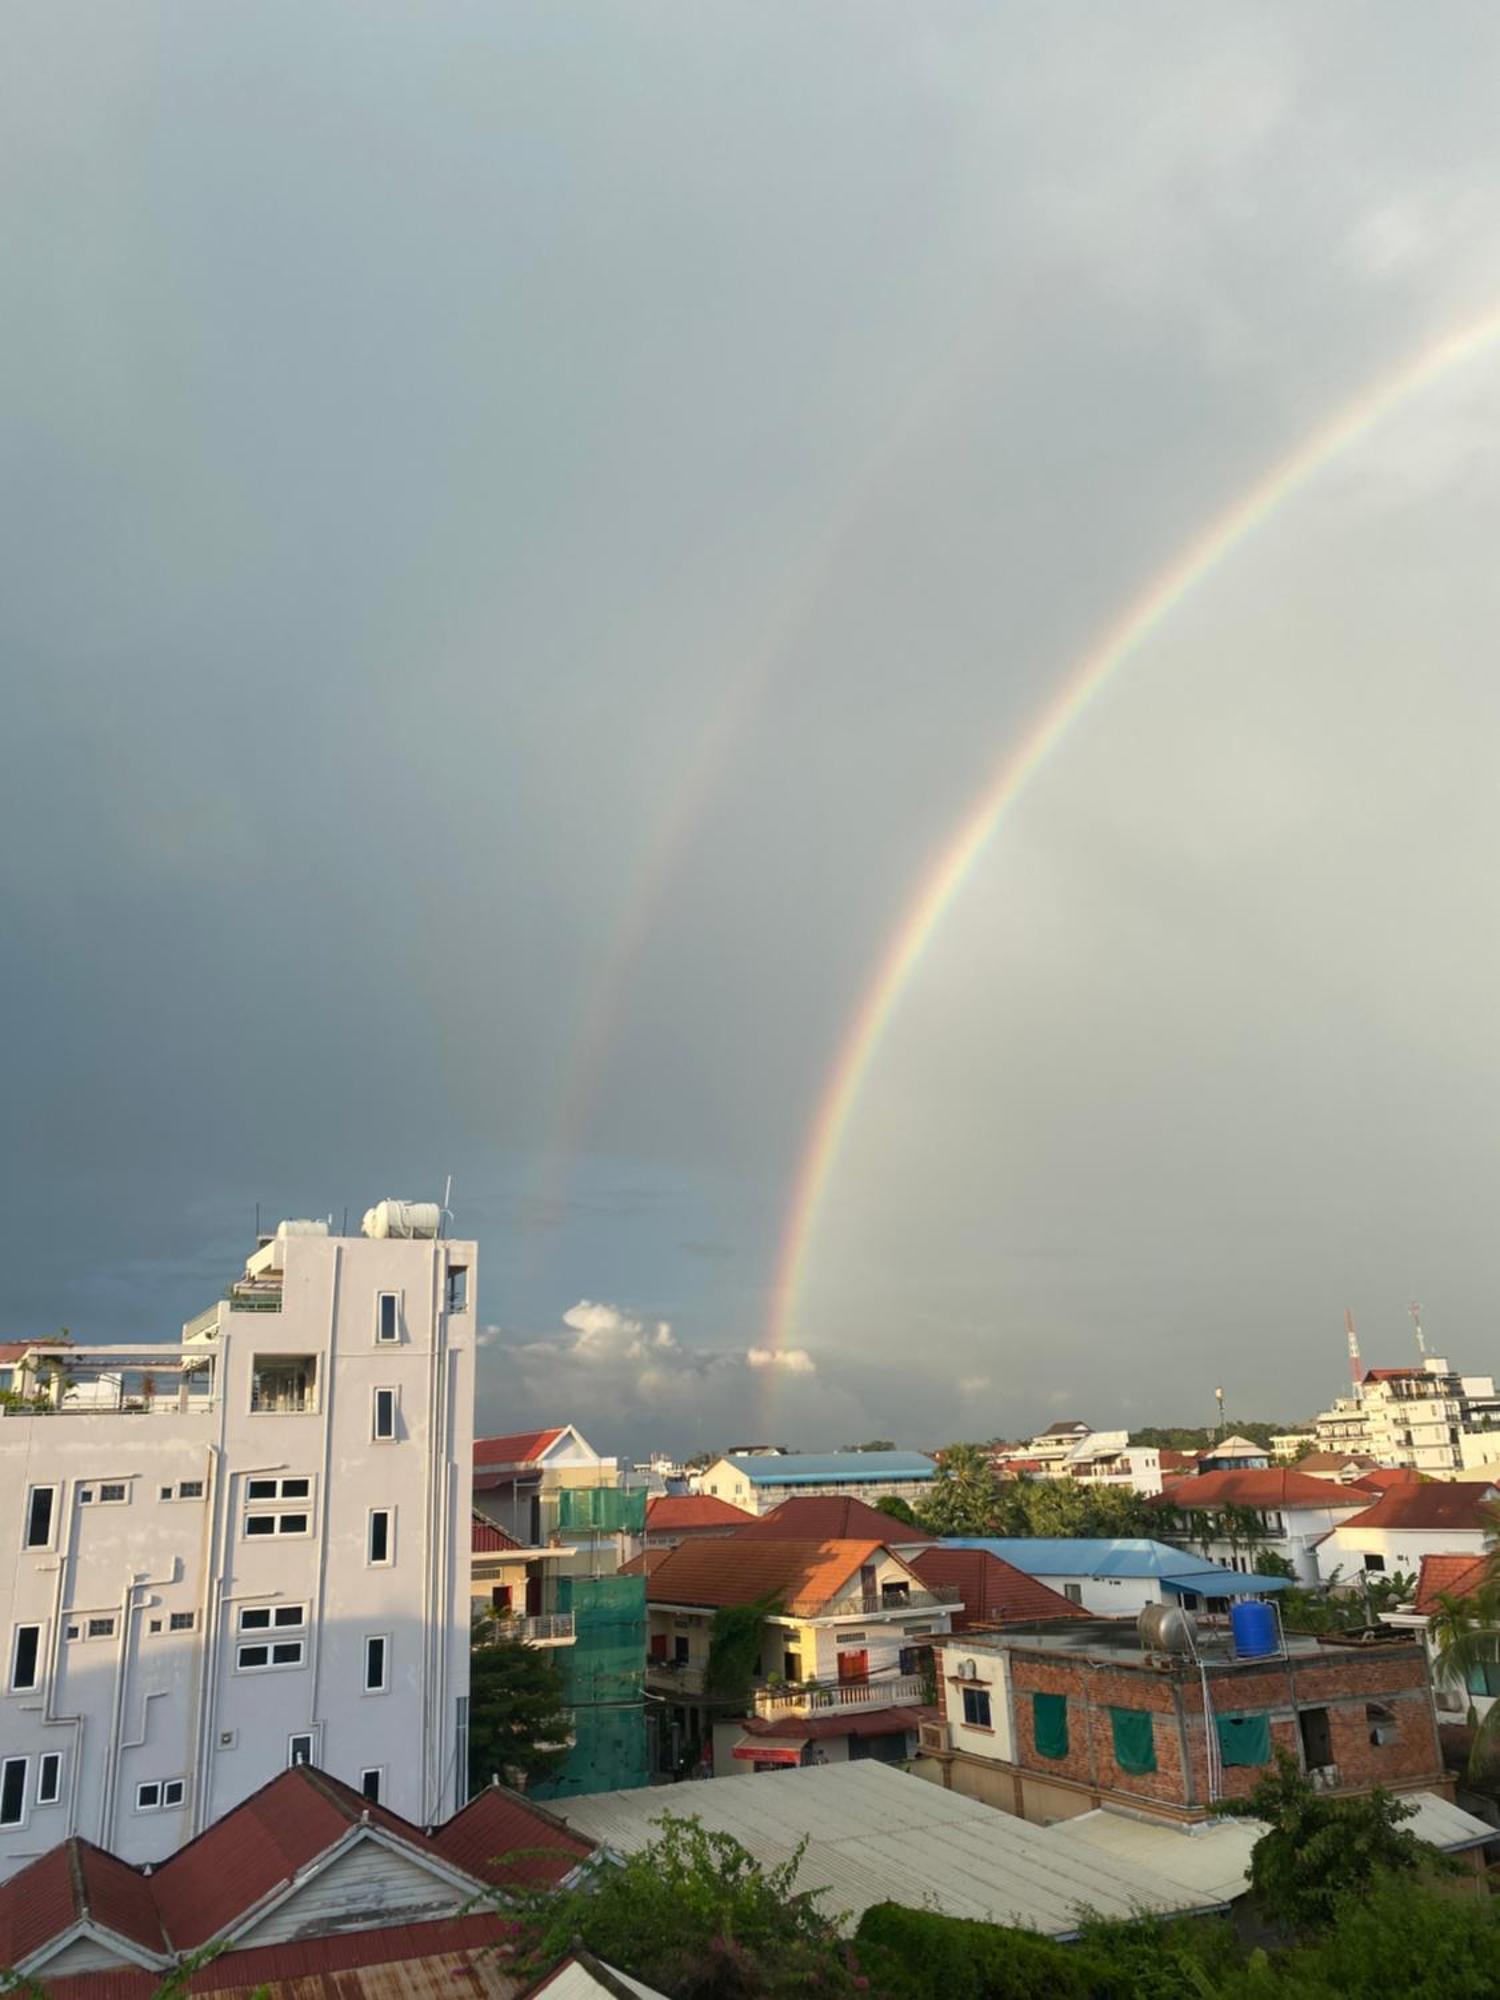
[
  {"x": 833, "y": 1697},
  {"x": 675, "y": 1677},
  {"x": 873, "y": 1604},
  {"x": 547, "y": 1628}
]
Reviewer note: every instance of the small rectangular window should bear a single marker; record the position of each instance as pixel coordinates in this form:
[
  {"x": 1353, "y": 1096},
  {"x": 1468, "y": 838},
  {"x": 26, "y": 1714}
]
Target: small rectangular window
[
  {"x": 375, "y": 1665},
  {"x": 100, "y": 1628},
  {"x": 388, "y": 1316},
  {"x": 384, "y": 1423},
  {"x": 85, "y": 1496},
  {"x": 296, "y": 1489},
  {"x": 299, "y": 1750},
  {"x": 25, "y": 1657},
  {"x": 190, "y": 1489},
  {"x": 277, "y": 1524},
  {"x": 255, "y": 1618},
  {"x": 977, "y": 1707},
  {"x": 284, "y": 1384},
  {"x": 40, "y": 1507},
  {"x": 284, "y": 1615},
  {"x": 458, "y": 1288},
  {"x": 262, "y": 1617},
  {"x": 49, "y": 1779},
  {"x": 113, "y": 1492},
  {"x": 380, "y": 1535},
  {"x": 173, "y": 1791},
  {"x": 260, "y": 1489},
  {"x": 148, "y": 1796},
  {"x": 284, "y": 1653},
  {"x": 183, "y": 1621},
  {"x": 12, "y": 1791},
  {"x": 369, "y": 1784}
]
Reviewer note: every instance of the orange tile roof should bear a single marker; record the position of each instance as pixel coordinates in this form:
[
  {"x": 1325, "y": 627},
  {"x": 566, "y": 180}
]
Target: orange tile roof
[
  {"x": 991, "y": 1590},
  {"x": 670, "y": 1511},
  {"x": 516, "y": 1448},
  {"x": 834, "y": 1517},
  {"x": 1447, "y": 1576},
  {"x": 486, "y": 1539},
  {"x": 1271, "y": 1487},
  {"x": 737, "y": 1569},
  {"x": 1457, "y": 1504},
  {"x": 496, "y": 1824}
]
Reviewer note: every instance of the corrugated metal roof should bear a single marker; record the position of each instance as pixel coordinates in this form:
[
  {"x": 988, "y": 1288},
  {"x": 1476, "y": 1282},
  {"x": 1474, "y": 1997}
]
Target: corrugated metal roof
[
  {"x": 1063, "y": 1555},
  {"x": 879, "y": 1835},
  {"x": 585, "y": 1977},
  {"x": 807, "y": 1468},
  {"x": 1211, "y": 1859}
]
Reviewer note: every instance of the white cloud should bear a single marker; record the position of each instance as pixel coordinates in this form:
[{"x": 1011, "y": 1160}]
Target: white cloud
[
  {"x": 793, "y": 1360},
  {"x": 606, "y": 1332}
]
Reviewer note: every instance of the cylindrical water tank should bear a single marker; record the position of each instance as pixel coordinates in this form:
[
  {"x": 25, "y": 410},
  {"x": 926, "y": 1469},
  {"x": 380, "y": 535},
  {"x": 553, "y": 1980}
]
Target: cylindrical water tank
[
  {"x": 1252, "y": 1626},
  {"x": 285, "y": 1229},
  {"x": 403, "y": 1218}
]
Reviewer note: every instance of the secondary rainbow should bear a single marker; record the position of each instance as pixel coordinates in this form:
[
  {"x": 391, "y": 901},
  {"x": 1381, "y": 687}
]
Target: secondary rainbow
[{"x": 943, "y": 882}]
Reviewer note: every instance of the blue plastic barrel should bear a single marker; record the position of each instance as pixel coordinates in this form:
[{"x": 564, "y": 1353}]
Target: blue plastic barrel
[{"x": 1253, "y": 1626}]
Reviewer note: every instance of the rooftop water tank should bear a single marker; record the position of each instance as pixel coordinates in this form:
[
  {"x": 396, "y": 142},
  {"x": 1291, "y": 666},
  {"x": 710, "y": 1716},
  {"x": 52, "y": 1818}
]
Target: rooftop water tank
[
  {"x": 1252, "y": 1626},
  {"x": 302, "y": 1229},
  {"x": 403, "y": 1219},
  {"x": 1165, "y": 1628}
]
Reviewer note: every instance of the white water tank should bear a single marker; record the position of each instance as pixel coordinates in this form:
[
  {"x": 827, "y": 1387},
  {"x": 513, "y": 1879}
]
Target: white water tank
[
  {"x": 301, "y": 1229},
  {"x": 403, "y": 1218}
]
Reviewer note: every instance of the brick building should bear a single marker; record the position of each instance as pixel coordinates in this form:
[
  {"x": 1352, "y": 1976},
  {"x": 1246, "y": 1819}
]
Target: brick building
[{"x": 1054, "y": 1721}]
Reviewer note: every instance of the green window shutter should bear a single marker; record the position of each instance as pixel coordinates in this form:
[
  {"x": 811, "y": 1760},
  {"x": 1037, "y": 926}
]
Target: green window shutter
[
  {"x": 1049, "y": 1724},
  {"x": 1135, "y": 1740},
  {"x": 1244, "y": 1739}
]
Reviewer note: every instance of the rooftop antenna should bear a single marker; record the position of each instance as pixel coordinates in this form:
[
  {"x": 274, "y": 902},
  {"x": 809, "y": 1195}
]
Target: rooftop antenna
[
  {"x": 1416, "y": 1319},
  {"x": 1354, "y": 1369},
  {"x": 257, "y": 1222},
  {"x": 1219, "y": 1397},
  {"x": 447, "y": 1196}
]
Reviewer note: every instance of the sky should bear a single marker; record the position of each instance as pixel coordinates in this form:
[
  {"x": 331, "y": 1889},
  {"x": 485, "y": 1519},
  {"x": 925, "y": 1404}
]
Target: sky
[{"x": 526, "y": 530}]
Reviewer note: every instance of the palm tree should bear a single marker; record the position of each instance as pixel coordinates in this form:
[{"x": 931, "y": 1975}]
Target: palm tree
[{"x": 1465, "y": 1637}]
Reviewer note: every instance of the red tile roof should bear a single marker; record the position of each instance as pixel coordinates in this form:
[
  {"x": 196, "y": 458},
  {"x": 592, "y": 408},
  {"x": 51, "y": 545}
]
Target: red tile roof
[
  {"x": 1447, "y": 1576},
  {"x": 992, "y": 1590},
  {"x": 69, "y": 1883},
  {"x": 1381, "y": 1478},
  {"x": 486, "y": 1539},
  {"x": 517, "y": 1448},
  {"x": 1332, "y": 1461},
  {"x": 737, "y": 1569},
  {"x": 1395, "y": 1374},
  {"x": 833, "y": 1517},
  {"x": 494, "y": 1825},
  {"x": 1436, "y": 1504},
  {"x": 1270, "y": 1487},
  {"x": 645, "y": 1563},
  {"x": 670, "y": 1511}
]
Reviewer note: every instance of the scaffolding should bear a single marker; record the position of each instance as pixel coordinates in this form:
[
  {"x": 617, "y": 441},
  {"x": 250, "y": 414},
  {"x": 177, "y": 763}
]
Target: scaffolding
[{"x": 605, "y": 1668}]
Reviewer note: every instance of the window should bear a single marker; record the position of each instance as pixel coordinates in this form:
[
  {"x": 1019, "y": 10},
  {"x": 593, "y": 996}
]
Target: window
[
  {"x": 282, "y": 1653},
  {"x": 1073, "y": 1592},
  {"x": 383, "y": 1418},
  {"x": 378, "y": 1548},
  {"x": 185, "y": 1489},
  {"x": 299, "y": 1750},
  {"x": 387, "y": 1316},
  {"x": 1373, "y": 1562},
  {"x": 375, "y": 1664},
  {"x": 1317, "y": 1738},
  {"x": 160, "y": 1794},
  {"x": 100, "y": 1628},
  {"x": 12, "y": 1791},
  {"x": 278, "y": 1524},
  {"x": 977, "y": 1708},
  {"x": 284, "y": 1384},
  {"x": 458, "y": 1288},
  {"x": 681, "y": 1650},
  {"x": 113, "y": 1493},
  {"x": 49, "y": 1779},
  {"x": 369, "y": 1783},
  {"x": 272, "y": 1617},
  {"x": 40, "y": 1508},
  {"x": 278, "y": 1489},
  {"x": 183, "y": 1621},
  {"x": 25, "y": 1655},
  {"x": 285, "y": 1644}
]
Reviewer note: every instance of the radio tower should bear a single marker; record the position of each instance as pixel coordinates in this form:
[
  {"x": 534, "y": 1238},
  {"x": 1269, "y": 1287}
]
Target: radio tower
[
  {"x": 1416, "y": 1319},
  {"x": 1354, "y": 1370}
]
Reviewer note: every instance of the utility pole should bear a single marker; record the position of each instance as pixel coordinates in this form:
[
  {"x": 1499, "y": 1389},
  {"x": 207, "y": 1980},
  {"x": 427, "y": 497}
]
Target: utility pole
[{"x": 1219, "y": 1396}]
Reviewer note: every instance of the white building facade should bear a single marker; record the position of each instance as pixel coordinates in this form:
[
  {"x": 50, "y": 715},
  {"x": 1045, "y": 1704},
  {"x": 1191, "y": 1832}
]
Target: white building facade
[
  {"x": 245, "y": 1551},
  {"x": 1413, "y": 1417}
]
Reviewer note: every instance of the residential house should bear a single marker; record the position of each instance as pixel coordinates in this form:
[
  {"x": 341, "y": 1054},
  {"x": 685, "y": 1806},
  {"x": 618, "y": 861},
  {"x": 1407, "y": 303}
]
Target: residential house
[
  {"x": 1048, "y": 1722},
  {"x": 1456, "y": 1578},
  {"x": 576, "y": 1520},
  {"x": 1046, "y": 1455},
  {"x": 835, "y": 1517},
  {"x": 682, "y": 1517},
  {"x": 242, "y": 1551},
  {"x": 762, "y": 1481},
  {"x": 1108, "y": 1458},
  {"x": 1411, "y": 1416},
  {"x": 1343, "y": 1468},
  {"x": 840, "y": 1655},
  {"x": 1234, "y": 1454},
  {"x": 1393, "y": 1534},
  {"x": 509, "y": 1587},
  {"x": 305, "y": 1886},
  {"x": 1115, "y": 1577},
  {"x": 1289, "y": 1445},
  {"x": 990, "y": 1592},
  {"x": 1233, "y": 1517}
]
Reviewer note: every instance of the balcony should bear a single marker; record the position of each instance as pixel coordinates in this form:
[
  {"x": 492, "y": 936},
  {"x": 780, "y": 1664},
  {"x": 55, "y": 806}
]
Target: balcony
[
  {"x": 833, "y": 1698},
  {"x": 875, "y": 1605},
  {"x": 548, "y": 1628},
  {"x": 675, "y": 1677}
]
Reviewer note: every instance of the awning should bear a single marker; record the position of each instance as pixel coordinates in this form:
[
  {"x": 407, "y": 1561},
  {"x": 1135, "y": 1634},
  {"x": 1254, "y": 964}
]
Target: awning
[
  {"x": 1223, "y": 1583},
  {"x": 767, "y": 1750}
]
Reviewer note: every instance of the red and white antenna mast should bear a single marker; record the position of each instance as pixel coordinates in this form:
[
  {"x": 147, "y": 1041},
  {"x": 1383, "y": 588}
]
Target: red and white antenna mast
[{"x": 1354, "y": 1368}]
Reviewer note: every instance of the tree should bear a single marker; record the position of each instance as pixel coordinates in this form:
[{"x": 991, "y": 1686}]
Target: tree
[
  {"x": 1466, "y": 1655},
  {"x": 1316, "y": 1849},
  {"x": 734, "y": 1648},
  {"x": 965, "y": 1498},
  {"x": 897, "y": 1508},
  {"x": 696, "y": 1916},
  {"x": 519, "y": 1720},
  {"x": 871, "y": 1444}
]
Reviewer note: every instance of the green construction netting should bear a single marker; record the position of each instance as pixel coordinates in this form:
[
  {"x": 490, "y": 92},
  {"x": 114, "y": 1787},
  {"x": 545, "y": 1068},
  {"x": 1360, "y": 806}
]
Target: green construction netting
[
  {"x": 604, "y": 1674},
  {"x": 601, "y": 1510},
  {"x": 1244, "y": 1739},
  {"x": 1135, "y": 1740},
  {"x": 1049, "y": 1724}
]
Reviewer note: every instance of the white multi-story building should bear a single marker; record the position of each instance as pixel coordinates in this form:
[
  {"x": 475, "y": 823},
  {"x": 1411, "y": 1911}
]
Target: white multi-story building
[
  {"x": 1413, "y": 1417},
  {"x": 244, "y": 1551}
]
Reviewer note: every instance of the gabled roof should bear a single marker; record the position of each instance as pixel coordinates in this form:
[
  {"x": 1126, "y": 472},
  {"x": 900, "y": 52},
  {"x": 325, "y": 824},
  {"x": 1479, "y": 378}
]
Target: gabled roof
[
  {"x": 801, "y": 1468},
  {"x": 671, "y": 1511},
  {"x": 1434, "y": 1505},
  {"x": 1275, "y": 1486},
  {"x": 1381, "y": 1478},
  {"x": 1124, "y": 1555},
  {"x": 75, "y": 1883},
  {"x": 1237, "y": 1447},
  {"x": 516, "y": 1448},
  {"x": 509, "y": 1841},
  {"x": 1447, "y": 1576},
  {"x": 486, "y": 1539},
  {"x": 1332, "y": 1461},
  {"x": 649, "y": 1560},
  {"x": 834, "y": 1517},
  {"x": 737, "y": 1569},
  {"x": 992, "y": 1591}
]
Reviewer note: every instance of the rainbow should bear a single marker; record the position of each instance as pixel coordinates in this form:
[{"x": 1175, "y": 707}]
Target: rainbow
[{"x": 943, "y": 882}]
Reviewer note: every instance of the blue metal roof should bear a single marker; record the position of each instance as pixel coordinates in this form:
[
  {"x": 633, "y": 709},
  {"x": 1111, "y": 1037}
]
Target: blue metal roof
[
  {"x": 1058, "y": 1555},
  {"x": 811, "y": 1468}
]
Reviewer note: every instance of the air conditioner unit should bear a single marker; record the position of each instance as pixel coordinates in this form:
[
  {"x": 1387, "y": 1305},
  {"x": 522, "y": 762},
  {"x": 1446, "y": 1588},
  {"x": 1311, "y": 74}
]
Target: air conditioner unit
[
  {"x": 935, "y": 1738},
  {"x": 1449, "y": 1702}
]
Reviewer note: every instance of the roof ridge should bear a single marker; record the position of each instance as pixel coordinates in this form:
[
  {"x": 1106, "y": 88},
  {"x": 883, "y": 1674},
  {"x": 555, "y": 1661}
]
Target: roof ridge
[{"x": 77, "y": 1879}]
